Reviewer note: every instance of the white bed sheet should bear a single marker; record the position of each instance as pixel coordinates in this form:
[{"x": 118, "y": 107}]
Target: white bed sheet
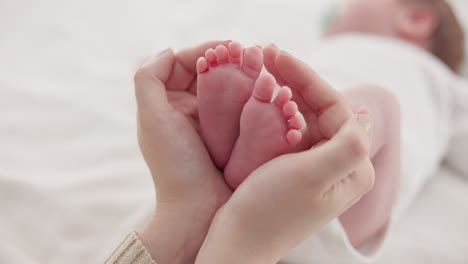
[{"x": 72, "y": 181}]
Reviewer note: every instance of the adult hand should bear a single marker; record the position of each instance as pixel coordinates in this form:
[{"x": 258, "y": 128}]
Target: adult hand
[
  {"x": 289, "y": 198},
  {"x": 324, "y": 109},
  {"x": 189, "y": 188}
]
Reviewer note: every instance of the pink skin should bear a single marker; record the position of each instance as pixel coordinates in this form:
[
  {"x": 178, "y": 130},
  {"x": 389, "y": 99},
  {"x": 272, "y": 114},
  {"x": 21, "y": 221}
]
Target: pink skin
[
  {"x": 226, "y": 77},
  {"x": 401, "y": 19},
  {"x": 390, "y": 18},
  {"x": 269, "y": 127},
  {"x": 357, "y": 14},
  {"x": 372, "y": 212},
  {"x": 237, "y": 130},
  {"x": 405, "y": 21}
]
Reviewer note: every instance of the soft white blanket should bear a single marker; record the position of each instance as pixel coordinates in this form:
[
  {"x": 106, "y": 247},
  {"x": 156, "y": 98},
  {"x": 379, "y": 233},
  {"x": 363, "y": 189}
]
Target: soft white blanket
[{"x": 72, "y": 181}]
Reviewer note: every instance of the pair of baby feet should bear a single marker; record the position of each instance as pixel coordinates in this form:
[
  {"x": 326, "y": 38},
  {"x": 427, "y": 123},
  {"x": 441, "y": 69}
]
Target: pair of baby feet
[{"x": 246, "y": 118}]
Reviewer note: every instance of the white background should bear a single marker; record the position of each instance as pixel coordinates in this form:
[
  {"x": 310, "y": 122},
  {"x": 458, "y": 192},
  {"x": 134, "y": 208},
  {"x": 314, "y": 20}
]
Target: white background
[{"x": 72, "y": 181}]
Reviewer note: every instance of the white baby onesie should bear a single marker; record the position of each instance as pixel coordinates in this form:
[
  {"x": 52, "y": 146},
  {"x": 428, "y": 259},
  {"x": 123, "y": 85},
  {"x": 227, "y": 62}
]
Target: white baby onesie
[
  {"x": 426, "y": 90},
  {"x": 457, "y": 155}
]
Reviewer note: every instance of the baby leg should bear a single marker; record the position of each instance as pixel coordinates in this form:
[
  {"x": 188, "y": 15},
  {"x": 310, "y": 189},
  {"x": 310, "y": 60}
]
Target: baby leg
[{"x": 372, "y": 213}]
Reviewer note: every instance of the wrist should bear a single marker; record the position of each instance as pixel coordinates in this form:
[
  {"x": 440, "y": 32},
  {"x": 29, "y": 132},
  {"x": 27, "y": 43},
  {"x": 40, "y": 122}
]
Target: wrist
[
  {"x": 174, "y": 236},
  {"x": 229, "y": 241},
  {"x": 163, "y": 248}
]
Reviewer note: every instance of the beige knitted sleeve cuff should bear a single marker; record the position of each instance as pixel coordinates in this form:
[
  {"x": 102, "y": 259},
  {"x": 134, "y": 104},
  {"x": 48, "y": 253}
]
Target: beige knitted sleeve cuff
[{"x": 130, "y": 251}]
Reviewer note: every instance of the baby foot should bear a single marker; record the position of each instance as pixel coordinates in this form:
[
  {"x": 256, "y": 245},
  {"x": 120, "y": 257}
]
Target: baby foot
[
  {"x": 269, "y": 127},
  {"x": 226, "y": 78}
]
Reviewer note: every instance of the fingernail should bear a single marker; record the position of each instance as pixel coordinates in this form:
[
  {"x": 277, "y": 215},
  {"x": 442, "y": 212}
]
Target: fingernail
[
  {"x": 163, "y": 52},
  {"x": 366, "y": 123}
]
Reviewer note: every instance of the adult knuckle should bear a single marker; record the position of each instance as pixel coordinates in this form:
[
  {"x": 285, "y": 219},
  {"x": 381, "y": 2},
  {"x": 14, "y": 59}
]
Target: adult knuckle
[
  {"x": 144, "y": 79},
  {"x": 367, "y": 178},
  {"x": 140, "y": 75},
  {"x": 356, "y": 145}
]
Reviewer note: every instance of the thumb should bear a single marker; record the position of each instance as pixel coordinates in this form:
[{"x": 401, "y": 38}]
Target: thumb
[
  {"x": 150, "y": 80},
  {"x": 366, "y": 124},
  {"x": 337, "y": 158}
]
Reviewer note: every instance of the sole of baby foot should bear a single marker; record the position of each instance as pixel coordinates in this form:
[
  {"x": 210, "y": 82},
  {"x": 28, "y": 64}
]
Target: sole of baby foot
[
  {"x": 270, "y": 126},
  {"x": 226, "y": 77}
]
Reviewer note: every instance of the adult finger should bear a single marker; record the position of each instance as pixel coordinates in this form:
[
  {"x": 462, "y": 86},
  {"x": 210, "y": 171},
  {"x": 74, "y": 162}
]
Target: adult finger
[
  {"x": 269, "y": 60},
  {"x": 356, "y": 184},
  {"x": 150, "y": 80},
  {"x": 302, "y": 78},
  {"x": 296, "y": 74},
  {"x": 349, "y": 190},
  {"x": 336, "y": 159},
  {"x": 184, "y": 72},
  {"x": 320, "y": 97}
]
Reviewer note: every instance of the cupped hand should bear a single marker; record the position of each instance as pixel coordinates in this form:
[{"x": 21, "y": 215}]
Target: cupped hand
[
  {"x": 189, "y": 188},
  {"x": 289, "y": 198},
  {"x": 324, "y": 109}
]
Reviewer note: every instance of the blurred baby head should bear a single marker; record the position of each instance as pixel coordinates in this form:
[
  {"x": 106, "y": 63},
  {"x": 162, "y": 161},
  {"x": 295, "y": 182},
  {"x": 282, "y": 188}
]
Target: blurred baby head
[{"x": 430, "y": 24}]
